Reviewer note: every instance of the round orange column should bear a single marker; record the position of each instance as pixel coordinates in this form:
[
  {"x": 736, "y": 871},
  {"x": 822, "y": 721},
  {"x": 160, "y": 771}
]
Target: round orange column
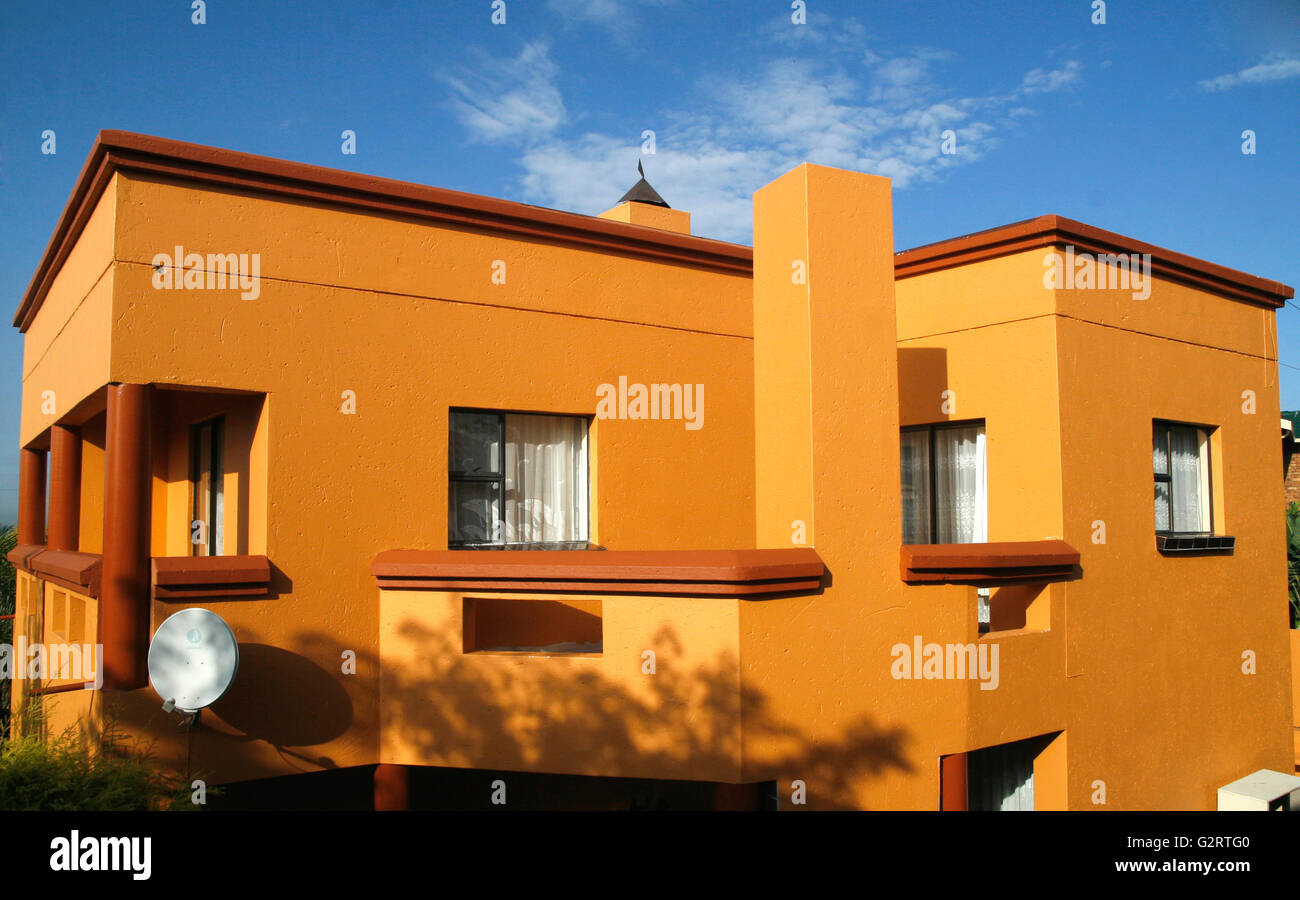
[
  {"x": 31, "y": 496},
  {"x": 124, "y": 591},
  {"x": 65, "y": 487}
]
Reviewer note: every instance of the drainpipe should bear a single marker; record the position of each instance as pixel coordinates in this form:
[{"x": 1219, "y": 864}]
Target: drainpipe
[{"x": 124, "y": 588}]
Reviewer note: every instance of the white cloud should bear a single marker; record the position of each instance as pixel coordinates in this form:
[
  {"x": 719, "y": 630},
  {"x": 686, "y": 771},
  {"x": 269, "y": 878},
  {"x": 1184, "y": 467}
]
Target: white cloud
[
  {"x": 1040, "y": 81},
  {"x": 619, "y": 17},
  {"x": 748, "y": 131},
  {"x": 506, "y": 100},
  {"x": 744, "y": 130},
  {"x": 1269, "y": 70},
  {"x": 820, "y": 28}
]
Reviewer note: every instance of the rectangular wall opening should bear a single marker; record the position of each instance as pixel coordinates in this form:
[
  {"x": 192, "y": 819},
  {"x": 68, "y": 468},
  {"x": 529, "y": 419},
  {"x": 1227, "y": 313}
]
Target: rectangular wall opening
[
  {"x": 1019, "y": 607},
  {"x": 509, "y": 625},
  {"x": 1016, "y": 776}
]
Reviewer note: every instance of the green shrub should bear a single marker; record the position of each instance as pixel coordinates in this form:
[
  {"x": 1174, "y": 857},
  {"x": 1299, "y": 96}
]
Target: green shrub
[
  {"x": 8, "y": 539},
  {"x": 60, "y": 773},
  {"x": 1293, "y": 560}
]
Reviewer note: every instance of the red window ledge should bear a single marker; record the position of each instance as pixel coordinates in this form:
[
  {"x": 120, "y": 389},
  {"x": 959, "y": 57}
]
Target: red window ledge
[
  {"x": 989, "y": 564},
  {"x": 79, "y": 572},
  {"x": 705, "y": 573},
  {"x": 180, "y": 578}
]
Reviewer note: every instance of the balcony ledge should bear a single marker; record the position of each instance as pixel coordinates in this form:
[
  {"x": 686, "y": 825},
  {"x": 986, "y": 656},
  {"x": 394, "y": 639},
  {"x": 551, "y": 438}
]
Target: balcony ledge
[
  {"x": 749, "y": 574},
  {"x": 989, "y": 565},
  {"x": 180, "y": 578},
  {"x": 79, "y": 572}
]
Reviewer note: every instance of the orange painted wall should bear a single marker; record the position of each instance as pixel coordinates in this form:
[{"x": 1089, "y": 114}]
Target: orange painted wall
[
  {"x": 406, "y": 315},
  {"x": 821, "y": 707},
  {"x": 91, "y": 538},
  {"x": 1138, "y": 664},
  {"x": 616, "y": 713},
  {"x": 1159, "y": 641},
  {"x": 1140, "y": 639},
  {"x": 66, "y": 349}
]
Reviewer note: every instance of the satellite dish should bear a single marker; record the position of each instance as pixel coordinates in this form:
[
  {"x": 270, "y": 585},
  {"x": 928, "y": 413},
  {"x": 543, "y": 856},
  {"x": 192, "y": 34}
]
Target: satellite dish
[{"x": 193, "y": 659}]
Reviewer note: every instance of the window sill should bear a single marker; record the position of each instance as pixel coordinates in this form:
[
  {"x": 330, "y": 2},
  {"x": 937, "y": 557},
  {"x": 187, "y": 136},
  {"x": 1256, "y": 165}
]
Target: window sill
[
  {"x": 537, "y": 545},
  {"x": 1195, "y": 544},
  {"x": 67, "y": 568},
  {"x": 62, "y": 687},
  {"x": 703, "y": 573},
  {"x": 181, "y": 578},
  {"x": 989, "y": 565}
]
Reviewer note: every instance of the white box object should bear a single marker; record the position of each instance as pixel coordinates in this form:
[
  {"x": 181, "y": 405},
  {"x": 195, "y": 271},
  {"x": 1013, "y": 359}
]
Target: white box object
[{"x": 1262, "y": 790}]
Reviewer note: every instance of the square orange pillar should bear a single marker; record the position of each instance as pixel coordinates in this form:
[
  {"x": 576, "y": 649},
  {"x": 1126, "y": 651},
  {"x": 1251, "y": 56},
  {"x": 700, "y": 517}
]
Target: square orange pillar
[{"x": 826, "y": 365}]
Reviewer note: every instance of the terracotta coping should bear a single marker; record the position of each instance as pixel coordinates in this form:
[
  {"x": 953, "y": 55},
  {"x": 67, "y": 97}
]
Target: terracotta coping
[
  {"x": 1047, "y": 231},
  {"x": 115, "y": 151},
  {"x": 160, "y": 157},
  {"x": 79, "y": 572},
  {"x": 729, "y": 573},
  {"x": 22, "y": 554},
  {"x": 185, "y": 577},
  {"x": 988, "y": 564}
]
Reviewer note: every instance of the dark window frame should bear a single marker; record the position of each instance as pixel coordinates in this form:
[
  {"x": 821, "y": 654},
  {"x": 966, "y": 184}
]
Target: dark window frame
[
  {"x": 499, "y": 479},
  {"x": 1167, "y": 477},
  {"x": 215, "y": 427},
  {"x": 931, "y": 448}
]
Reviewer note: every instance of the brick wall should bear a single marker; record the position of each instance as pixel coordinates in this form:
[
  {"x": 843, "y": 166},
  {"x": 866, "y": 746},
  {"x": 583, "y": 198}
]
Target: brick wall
[{"x": 1291, "y": 464}]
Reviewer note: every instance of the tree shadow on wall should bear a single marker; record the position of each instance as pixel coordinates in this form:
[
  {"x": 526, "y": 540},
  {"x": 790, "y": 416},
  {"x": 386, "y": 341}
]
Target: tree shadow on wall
[{"x": 535, "y": 714}]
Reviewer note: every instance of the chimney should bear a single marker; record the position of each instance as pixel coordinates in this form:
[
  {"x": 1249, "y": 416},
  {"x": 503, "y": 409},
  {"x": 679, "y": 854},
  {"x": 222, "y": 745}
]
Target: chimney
[{"x": 642, "y": 205}]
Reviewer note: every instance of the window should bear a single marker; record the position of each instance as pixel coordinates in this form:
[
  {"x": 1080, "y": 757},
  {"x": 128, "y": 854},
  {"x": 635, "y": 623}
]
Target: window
[
  {"x": 517, "y": 481},
  {"x": 207, "y": 508},
  {"x": 945, "y": 490},
  {"x": 1001, "y": 778},
  {"x": 944, "y": 480},
  {"x": 1181, "y": 458}
]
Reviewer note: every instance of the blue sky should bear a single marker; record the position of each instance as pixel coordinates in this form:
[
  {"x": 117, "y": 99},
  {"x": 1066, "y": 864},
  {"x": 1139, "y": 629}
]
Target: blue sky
[{"x": 1133, "y": 125}]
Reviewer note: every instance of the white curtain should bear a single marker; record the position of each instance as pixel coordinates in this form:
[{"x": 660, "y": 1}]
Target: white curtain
[
  {"x": 1160, "y": 462},
  {"x": 545, "y": 479},
  {"x": 1002, "y": 778},
  {"x": 961, "y": 490},
  {"x": 916, "y": 486},
  {"x": 1185, "y": 465}
]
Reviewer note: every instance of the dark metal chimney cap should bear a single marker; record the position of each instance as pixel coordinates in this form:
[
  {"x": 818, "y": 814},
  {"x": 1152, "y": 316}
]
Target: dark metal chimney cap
[{"x": 641, "y": 192}]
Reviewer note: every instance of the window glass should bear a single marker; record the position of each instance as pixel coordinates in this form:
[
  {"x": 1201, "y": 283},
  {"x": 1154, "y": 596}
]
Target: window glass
[
  {"x": 475, "y": 443},
  {"x": 916, "y": 486},
  {"x": 960, "y": 507},
  {"x": 944, "y": 484},
  {"x": 546, "y": 479},
  {"x": 1181, "y": 463},
  {"x": 1162, "y": 506},
  {"x": 475, "y": 512},
  {"x": 1001, "y": 778},
  {"x": 1185, "y": 465},
  {"x": 1160, "y": 451},
  {"x": 517, "y": 480},
  {"x": 207, "y": 501}
]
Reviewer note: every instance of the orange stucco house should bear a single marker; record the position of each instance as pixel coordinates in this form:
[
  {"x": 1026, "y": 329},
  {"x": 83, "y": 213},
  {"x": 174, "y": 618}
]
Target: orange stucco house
[{"x": 507, "y": 505}]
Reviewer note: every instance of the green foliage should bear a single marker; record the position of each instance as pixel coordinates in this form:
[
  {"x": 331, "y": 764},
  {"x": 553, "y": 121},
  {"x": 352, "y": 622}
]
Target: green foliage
[
  {"x": 61, "y": 773},
  {"x": 1293, "y": 560},
  {"x": 8, "y": 539}
]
